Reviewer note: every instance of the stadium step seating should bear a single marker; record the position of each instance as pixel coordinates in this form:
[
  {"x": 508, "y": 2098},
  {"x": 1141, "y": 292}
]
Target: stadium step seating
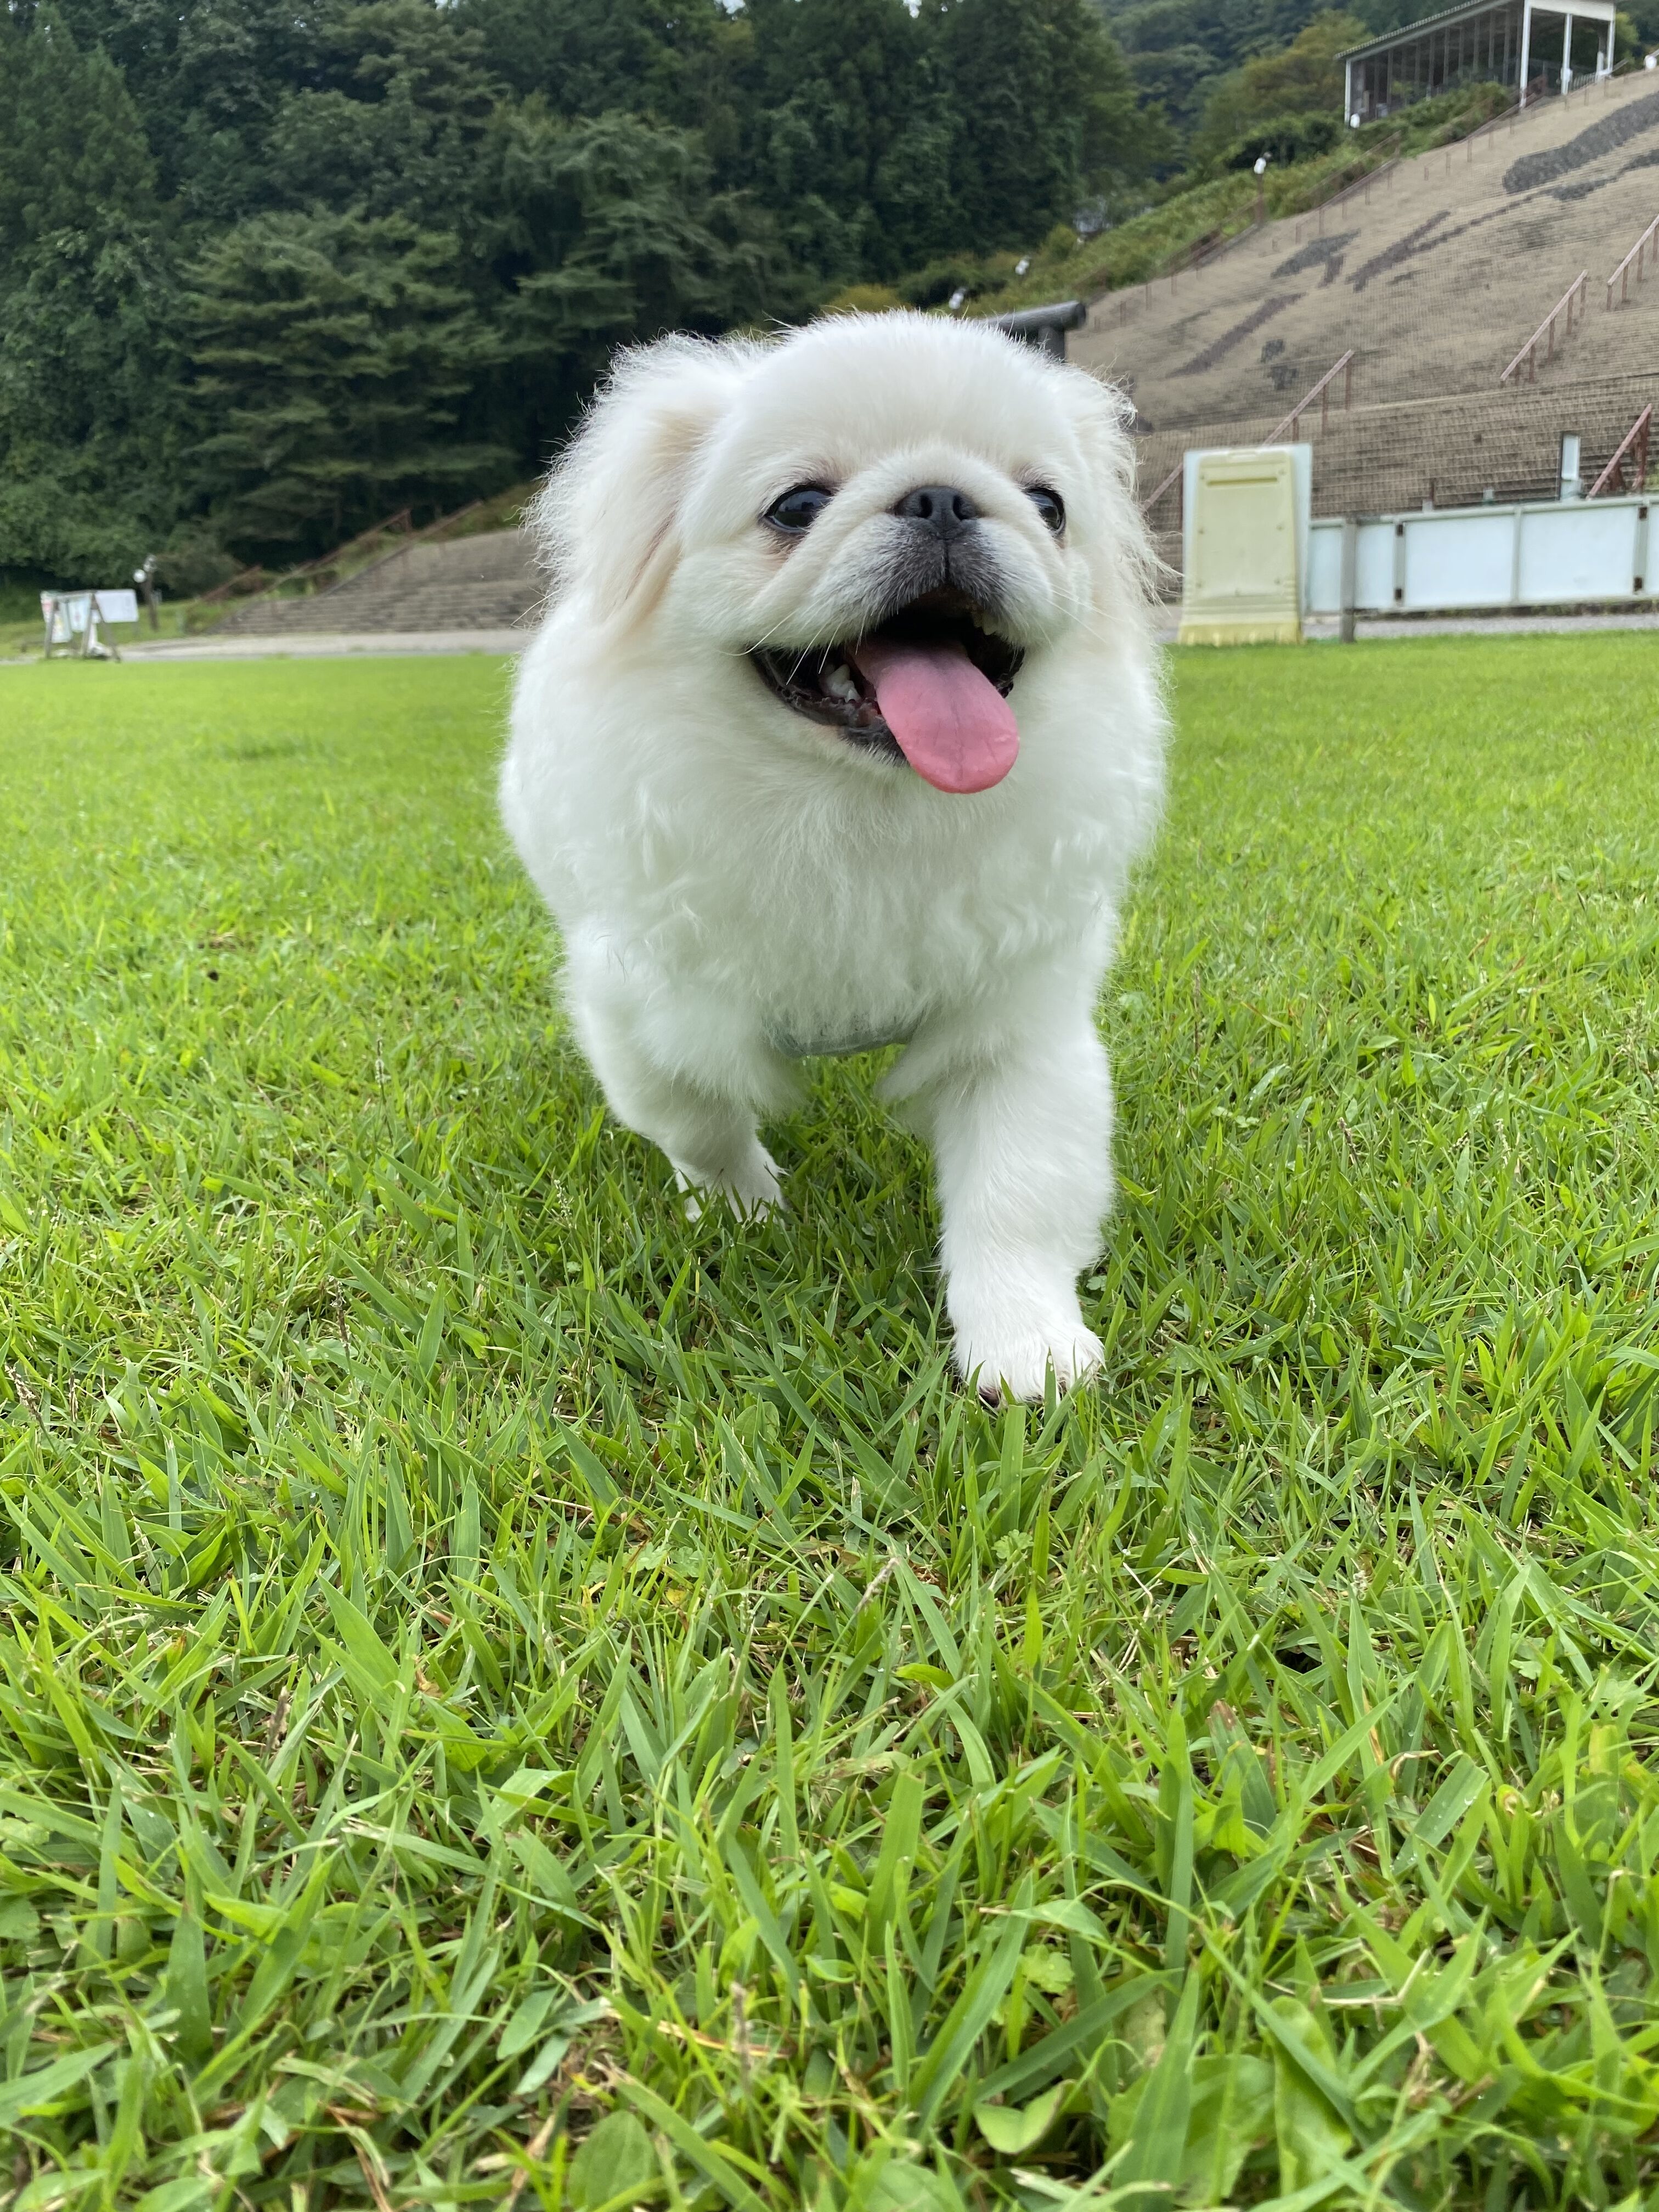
[
  {"x": 1434, "y": 276},
  {"x": 486, "y": 583},
  {"x": 1449, "y": 451}
]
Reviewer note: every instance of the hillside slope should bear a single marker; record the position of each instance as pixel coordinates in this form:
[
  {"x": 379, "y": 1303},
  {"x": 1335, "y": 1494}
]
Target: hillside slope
[{"x": 1435, "y": 276}]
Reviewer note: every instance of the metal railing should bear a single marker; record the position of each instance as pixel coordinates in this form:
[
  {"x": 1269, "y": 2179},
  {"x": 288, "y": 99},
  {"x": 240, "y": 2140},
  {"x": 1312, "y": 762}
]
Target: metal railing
[
  {"x": 396, "y": 552},
  {"x": 1635, "y": 438},
  {"x": 405, "y": 537},
  {"x": 1503, "y": 120},
  {"x": 1529, "y": 353},
  {"x": 238, "y": 588},
  {"x": 1582, "y": 84},
  {"x": 1648, "y": 242},
  {"x": 1188, "y": 259},
  {"x": 1152, "y": 498},
  {"x": 1360, "y": 187},
  {"x": 1320, "y": 391}
]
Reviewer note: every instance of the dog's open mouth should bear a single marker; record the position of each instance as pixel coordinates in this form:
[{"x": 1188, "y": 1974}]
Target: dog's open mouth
[{"x": 931, "y": 684}]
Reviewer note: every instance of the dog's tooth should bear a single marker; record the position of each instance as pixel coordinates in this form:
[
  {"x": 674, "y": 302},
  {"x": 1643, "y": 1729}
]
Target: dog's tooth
[{"x": 838, "y": 682}]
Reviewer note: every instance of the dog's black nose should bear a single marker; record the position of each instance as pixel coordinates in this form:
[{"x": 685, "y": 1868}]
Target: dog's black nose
[{"x": 938, "y": 508}]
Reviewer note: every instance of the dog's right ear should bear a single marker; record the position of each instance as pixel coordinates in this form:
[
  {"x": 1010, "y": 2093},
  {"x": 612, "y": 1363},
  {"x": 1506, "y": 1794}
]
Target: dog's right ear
[{"x": 606, "y": 518}]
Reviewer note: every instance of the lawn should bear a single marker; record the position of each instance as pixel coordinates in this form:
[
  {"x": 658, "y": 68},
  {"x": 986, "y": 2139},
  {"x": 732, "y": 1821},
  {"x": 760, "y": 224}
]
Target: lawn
[{"x": 511, "y": 1697}]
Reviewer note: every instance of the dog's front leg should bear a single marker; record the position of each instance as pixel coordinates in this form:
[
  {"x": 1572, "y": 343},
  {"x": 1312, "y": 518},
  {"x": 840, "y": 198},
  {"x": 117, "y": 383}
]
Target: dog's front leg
[
  {"x": 1022, "y": 1129},
  {"x": 681, "y": 1075}
]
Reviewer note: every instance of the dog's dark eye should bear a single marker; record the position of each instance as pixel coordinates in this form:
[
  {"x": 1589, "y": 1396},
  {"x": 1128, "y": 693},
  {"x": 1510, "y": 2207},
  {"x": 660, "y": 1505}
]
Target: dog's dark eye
[
  {"x": 798, "y": 510},
  {"x": 1049, "y": 505}
]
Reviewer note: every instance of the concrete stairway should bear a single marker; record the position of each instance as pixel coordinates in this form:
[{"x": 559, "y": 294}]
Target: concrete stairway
[
  {"x": 1435, "y": 277},
  {"x": 486, "y": 583}
]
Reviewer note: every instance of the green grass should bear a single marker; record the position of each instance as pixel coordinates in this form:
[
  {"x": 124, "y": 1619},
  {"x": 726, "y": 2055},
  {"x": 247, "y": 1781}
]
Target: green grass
[{"x": 482, "y": 1653}]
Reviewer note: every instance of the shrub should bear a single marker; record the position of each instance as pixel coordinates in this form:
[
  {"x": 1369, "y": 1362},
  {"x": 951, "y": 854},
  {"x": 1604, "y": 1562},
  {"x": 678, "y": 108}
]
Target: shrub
[
  {"x": 863, "y": 300},
  {"x": 1283, "y": 139},
  {"x": 193, "y": 561}
]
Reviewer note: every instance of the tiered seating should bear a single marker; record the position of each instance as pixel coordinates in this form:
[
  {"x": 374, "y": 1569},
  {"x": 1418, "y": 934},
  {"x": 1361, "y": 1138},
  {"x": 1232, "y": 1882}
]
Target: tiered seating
[
  {"x": 1453, "y": 451},
  {"x": 486, "y": 583},
  {"x": 1435, "y": 277}
]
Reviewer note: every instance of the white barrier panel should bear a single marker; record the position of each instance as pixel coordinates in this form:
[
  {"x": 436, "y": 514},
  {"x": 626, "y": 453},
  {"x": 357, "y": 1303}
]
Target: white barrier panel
[
  {"x": 1462, "y": 559},
  {"x": 1245, "y": 544}
]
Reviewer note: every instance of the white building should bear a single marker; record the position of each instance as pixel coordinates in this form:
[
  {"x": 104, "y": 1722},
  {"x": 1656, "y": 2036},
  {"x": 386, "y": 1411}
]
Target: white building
[{"x": 1533, "y": 48}]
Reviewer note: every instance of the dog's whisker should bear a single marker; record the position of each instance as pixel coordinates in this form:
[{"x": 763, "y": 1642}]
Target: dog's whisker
[{"x": 768, "y": 634}]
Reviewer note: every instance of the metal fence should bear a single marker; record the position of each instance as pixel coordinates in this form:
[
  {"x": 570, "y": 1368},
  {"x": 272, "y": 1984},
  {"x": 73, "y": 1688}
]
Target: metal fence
[{"x": 1448, "y": 560}]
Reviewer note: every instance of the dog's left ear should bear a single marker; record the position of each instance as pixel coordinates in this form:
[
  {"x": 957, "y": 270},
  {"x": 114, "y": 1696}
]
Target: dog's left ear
[
  {"x": 1101, "y": 415},
  {"x": 606, "y": 518}
]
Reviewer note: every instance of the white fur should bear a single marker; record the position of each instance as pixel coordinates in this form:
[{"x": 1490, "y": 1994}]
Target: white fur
[{"x": 726, "y": 873}]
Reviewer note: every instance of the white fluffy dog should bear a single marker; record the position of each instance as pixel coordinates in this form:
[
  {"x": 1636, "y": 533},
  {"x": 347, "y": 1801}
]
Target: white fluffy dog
[{"x": 843, "y": 729}]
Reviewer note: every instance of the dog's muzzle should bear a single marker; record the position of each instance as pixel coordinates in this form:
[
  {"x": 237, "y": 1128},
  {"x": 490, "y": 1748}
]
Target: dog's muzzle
[{"x": 926, "y": 680}]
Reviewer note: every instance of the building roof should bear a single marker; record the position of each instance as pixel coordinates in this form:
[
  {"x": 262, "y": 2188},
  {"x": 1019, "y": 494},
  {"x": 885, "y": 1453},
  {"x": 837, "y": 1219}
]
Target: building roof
[{"x": 1600, "y": 11}]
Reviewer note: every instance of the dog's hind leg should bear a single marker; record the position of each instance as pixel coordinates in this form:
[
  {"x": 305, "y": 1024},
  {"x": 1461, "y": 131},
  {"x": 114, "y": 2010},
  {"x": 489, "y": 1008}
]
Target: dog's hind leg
[{"x": 705, "y": 1126}]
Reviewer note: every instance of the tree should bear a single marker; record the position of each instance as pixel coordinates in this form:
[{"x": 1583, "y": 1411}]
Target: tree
[
  {"x": 606, "y": 231},
  {"x": 1178, "y": 50},
  {"x": 332, "y": 354},
  {"x": 590, "y": 57},
  {"x": 394, "y": 117},
  {"x": 415, "y": 230},
  {"x": 73, "y": 155},
  {"x": 1304, "y": 79},
  {"x": 208, "y": 78},
  {"x": 1049, "y": 114},
  {"x": 89, "y": 367},
  {"x": 849, "y": 134},
  {"x": 89, "y": 417}
]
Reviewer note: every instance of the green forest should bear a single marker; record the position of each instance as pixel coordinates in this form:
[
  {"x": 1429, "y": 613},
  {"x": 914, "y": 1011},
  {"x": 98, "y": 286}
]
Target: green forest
[{"x": 272, "y": 269}]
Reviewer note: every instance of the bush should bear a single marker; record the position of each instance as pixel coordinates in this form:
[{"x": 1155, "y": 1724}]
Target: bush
[
  {"x": 932, "y": 287},
  {"x": 1283, "y": 139},
  {"x": 192, "y": 562},
  {"x": 1449, "y": 115},
  {"x": 863, "y": 300},
  {"x": 1305, "y": 78}
]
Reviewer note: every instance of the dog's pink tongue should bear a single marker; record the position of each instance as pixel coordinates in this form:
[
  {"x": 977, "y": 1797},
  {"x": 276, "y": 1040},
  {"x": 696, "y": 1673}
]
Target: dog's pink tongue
[{"x": 952, "y": 724}]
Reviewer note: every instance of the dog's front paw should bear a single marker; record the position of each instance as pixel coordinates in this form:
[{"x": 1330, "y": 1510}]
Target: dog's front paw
[
  {"x": 1009, "y": 1356},
  {"x": 750, "y": 1188}
]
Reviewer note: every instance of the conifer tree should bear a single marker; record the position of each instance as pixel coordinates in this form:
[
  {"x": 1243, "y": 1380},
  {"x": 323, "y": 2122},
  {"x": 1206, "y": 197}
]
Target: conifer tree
[{"x": 331, "y": 355}]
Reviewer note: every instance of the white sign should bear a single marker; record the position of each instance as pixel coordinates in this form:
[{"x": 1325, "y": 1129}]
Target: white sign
[{"x": 67, "y": 612}]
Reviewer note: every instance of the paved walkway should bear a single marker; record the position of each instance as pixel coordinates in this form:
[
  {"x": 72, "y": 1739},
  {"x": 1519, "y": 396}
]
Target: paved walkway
[
  {"x": 308, "y": 645},
  {"x": 1320, "y": 629},
  {"x": 1482, "y": 625},
  {"x": 320, "y": 645}
]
